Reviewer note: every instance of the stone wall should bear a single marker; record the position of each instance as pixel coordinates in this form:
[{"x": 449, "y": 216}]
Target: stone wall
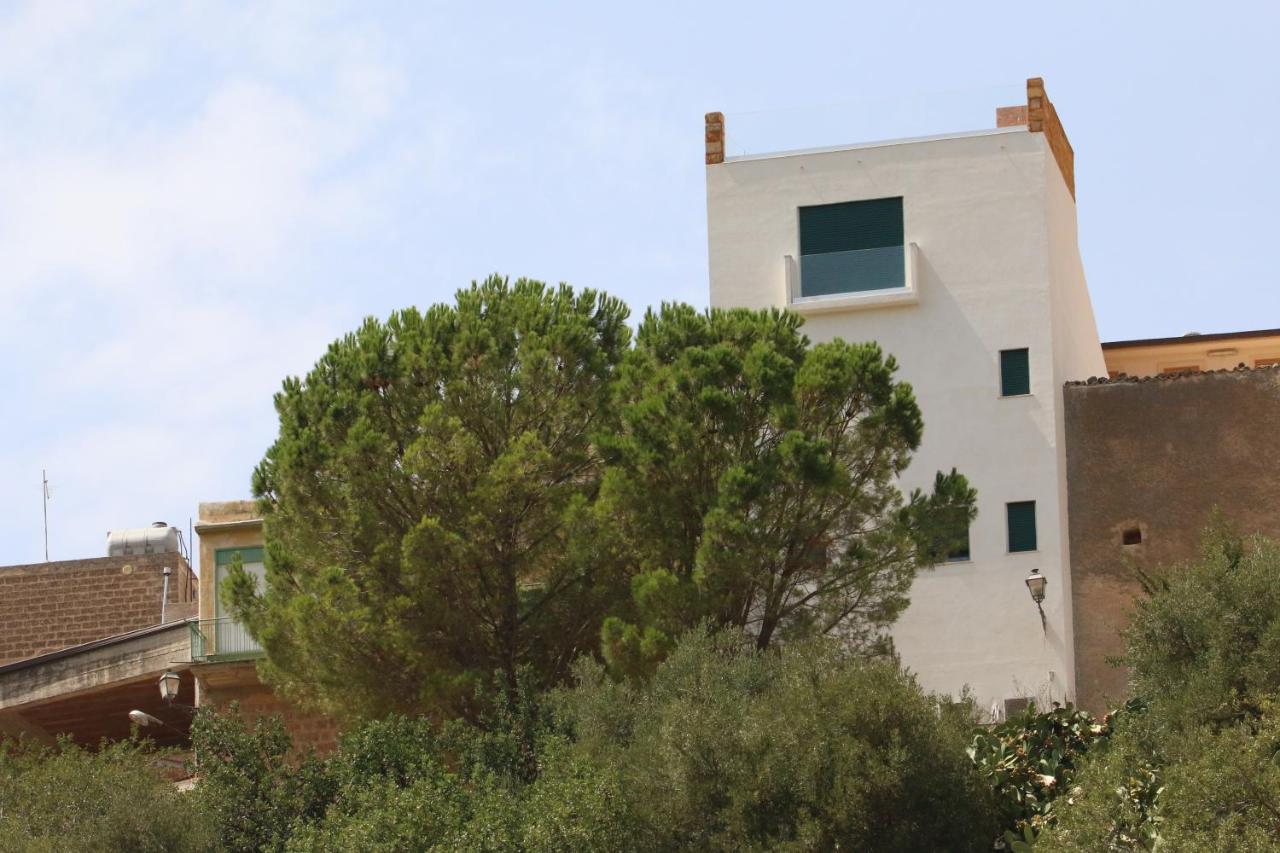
[
  {"x": 45, "y": 607},
  {"x": 1147, "y": 461},
  {"x": 223, "y": 684}
]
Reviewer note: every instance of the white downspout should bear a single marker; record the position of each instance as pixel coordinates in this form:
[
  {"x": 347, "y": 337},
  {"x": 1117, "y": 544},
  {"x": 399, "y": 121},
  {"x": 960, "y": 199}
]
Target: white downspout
[{"x": 164, "y": 596}]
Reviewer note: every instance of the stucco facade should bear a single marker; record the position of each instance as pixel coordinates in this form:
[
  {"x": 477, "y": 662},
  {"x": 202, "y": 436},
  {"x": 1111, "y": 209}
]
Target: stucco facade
[
  {"x": 1192, "y": 352},
  {"x": 992, "y": 264}
]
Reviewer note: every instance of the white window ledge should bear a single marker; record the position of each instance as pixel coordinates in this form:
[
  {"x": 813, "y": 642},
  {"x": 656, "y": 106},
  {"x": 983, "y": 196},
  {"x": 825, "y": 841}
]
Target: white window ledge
[{"x": 909, "y": 294}]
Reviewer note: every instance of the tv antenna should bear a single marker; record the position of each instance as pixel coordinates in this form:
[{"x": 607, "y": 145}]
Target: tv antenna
[{"x": 45, "y": 477}]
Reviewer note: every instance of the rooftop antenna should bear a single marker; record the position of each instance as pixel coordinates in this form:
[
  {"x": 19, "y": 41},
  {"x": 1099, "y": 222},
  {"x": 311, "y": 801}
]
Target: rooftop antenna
[{"x": 45, "y": 477}]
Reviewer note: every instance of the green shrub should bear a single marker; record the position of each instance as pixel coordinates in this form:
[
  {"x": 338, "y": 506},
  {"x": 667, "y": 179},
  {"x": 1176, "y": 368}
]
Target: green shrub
[
  {"x": 250, "y": 788},
  {"x": 802, "y": 748},
  {"x": 115, "y": 800},
  {"x": 1198, "y": 770},
  {"x": 1029, "y": 761}
]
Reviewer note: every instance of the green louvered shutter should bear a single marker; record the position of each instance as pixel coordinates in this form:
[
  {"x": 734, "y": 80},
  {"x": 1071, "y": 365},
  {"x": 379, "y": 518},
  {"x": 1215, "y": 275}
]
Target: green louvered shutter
[
  {"x": 223, "y": 558},
  {"x": 1015, "y": 372},
  {"x": 1022, "y": 526},
  {"x": 851, "y": 247},
  {"x": 226, "y": 556}
]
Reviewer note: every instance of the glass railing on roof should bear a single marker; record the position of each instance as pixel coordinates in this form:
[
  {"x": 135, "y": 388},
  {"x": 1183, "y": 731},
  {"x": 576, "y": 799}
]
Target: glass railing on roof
[{"x": 866, "y": 120}]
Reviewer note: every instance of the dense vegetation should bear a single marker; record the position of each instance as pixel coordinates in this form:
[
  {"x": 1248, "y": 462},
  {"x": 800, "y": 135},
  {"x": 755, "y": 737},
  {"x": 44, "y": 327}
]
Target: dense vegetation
[
  {"x": 726, "y": 748},
  {"x": 572, "y": 592},
  {"x": 62, "y": 797},
  {"x": 1199, "y": 768}
]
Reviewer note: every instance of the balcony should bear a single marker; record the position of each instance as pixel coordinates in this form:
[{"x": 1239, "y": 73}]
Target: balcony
[
  {"x": 224, "y": 639},
  {"x": 848, "y": 281}
]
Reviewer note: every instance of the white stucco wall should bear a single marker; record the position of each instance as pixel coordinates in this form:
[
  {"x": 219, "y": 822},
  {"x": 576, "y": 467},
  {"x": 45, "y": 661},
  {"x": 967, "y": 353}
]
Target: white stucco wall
[
  {"x": 997, "y": 270},
  {"x": 1077, "y": 352}
]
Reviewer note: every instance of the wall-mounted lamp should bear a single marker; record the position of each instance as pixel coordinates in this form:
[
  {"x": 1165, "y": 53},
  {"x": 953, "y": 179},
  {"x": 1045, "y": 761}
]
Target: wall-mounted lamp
[
  {"x": 1036, "y": 584},
  {"x": 169, "y": 683}
]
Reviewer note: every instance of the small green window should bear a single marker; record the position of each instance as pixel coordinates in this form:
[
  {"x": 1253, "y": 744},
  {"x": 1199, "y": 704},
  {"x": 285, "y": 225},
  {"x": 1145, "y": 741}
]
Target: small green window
[
  {"x": 959, "y": 553},
  {"x": 1015, "y": 373},
  {"x": 251, "y": 559},
  {"x": 226, "y": 556},
  {"x": 1022, "y": 526},
  {"x": 851, "y": 247}
]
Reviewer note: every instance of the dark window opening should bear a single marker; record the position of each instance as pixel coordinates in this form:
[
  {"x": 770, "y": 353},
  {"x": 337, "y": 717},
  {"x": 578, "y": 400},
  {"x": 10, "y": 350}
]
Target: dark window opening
[
  {"x": 1015, "y": 372},
  {"x": 851, "y": 247},
  {"x": 1021, "y": 516}
]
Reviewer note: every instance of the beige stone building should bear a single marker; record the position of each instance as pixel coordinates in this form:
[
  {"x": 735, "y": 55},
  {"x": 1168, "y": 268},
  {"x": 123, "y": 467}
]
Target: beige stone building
[
  {"x": 85, "y": 642},
  {"x": 224, "y": 655},
  {"x": 1192, "y": 353}
]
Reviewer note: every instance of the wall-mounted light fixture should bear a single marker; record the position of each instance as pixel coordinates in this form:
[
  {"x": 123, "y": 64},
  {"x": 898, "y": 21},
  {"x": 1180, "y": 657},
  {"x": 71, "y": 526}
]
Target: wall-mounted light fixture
[
  {"x": 169, "y": 683},
  {"x": 1036, "y": 584}
]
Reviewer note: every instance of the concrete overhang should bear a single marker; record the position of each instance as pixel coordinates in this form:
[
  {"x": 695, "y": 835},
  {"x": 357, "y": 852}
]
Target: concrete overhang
[{"x": 87, "y": 691}]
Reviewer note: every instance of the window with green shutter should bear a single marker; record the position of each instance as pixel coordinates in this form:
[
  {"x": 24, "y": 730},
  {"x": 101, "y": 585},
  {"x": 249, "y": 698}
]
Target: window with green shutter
[
  {"x": 959, "y": 553},
  {"x": 1022, "y": 526},
  {"x": 1015, "y": 372},
  {"x": 252, "y": 559},
  {"x": 852, "y": 247}
]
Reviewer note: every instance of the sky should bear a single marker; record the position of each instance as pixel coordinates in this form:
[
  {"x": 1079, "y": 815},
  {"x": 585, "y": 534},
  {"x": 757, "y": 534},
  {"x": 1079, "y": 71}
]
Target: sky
[{"x": 196, "y": 198}]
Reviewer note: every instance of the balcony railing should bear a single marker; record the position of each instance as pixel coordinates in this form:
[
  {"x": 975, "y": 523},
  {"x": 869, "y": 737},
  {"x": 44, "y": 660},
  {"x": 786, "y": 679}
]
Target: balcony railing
[
  {"x": 222, "y": 639},
  {"x": 845, "y": 281}
]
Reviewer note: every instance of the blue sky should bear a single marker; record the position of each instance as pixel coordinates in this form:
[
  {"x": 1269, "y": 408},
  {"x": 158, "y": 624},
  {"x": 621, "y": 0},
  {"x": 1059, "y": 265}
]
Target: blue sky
[{"x": 195, "y": 198}]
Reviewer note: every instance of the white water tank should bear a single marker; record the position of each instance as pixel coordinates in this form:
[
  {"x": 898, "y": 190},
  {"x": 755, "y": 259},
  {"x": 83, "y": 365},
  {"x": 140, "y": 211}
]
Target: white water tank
[{"x": 159, "y": 538}]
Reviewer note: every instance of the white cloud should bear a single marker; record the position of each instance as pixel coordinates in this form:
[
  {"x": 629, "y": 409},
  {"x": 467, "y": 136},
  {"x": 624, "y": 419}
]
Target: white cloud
[{"x": 169, "y": 176}]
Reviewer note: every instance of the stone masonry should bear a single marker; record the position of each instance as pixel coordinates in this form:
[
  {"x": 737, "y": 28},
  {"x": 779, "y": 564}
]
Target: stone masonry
[
  {"x": 1147, "y": 462},
  {"x": 45, "y": 607}
]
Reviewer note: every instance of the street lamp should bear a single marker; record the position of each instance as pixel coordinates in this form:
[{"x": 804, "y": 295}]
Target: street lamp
[
  {"x": 142, "y": 718},
  {"x": 1036, "y": 584},
  {"x": 169, "y": 683}
]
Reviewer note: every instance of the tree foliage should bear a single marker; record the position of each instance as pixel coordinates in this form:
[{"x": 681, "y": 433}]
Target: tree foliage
[
  {"x": 252, "y": 790},
  {"x": 114, "y": 800},
  {"x": 1030, "y": 761},
  {"x": 800, "y": 748},
  {"x": 752, "y": 484},
  {"x": 1199, "y": 769},
  {"x": 803, "y": 747},
  {"x": 421, "y": 499},
  {"x": 506, "y": 483}
]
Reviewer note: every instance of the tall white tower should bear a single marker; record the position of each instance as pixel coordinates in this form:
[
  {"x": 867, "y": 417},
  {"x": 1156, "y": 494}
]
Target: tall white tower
[{"x": 958, "y": 254}]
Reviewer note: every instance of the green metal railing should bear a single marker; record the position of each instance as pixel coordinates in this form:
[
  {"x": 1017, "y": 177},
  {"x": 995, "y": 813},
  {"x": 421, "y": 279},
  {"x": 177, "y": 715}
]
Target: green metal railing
[{"x": 222, "y": 639}]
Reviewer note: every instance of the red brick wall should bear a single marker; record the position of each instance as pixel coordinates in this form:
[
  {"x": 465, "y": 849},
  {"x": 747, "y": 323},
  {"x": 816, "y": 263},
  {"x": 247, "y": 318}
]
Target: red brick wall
[
  {"x": 308, "y": 730},
  {"x": 49, "y": 606}
]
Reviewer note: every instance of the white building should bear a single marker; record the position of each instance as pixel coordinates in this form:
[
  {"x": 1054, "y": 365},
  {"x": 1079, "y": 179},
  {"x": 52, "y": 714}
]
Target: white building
[{"x": 958, "y": 254}]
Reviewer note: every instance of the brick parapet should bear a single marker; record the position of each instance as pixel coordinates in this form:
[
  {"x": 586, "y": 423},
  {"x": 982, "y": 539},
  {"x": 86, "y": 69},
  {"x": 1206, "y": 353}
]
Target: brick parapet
[
  {"x": 1039, "y": 116},
  {"x": 715, "y": 138},
  {"x": 45, "y": 607},
  {"x": 1015, "y": 116},
  {"x": 1043, "y": 118}
]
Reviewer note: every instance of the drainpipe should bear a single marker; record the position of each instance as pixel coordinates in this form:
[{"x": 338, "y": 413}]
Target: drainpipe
[{"x": 164, "y": 596}]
